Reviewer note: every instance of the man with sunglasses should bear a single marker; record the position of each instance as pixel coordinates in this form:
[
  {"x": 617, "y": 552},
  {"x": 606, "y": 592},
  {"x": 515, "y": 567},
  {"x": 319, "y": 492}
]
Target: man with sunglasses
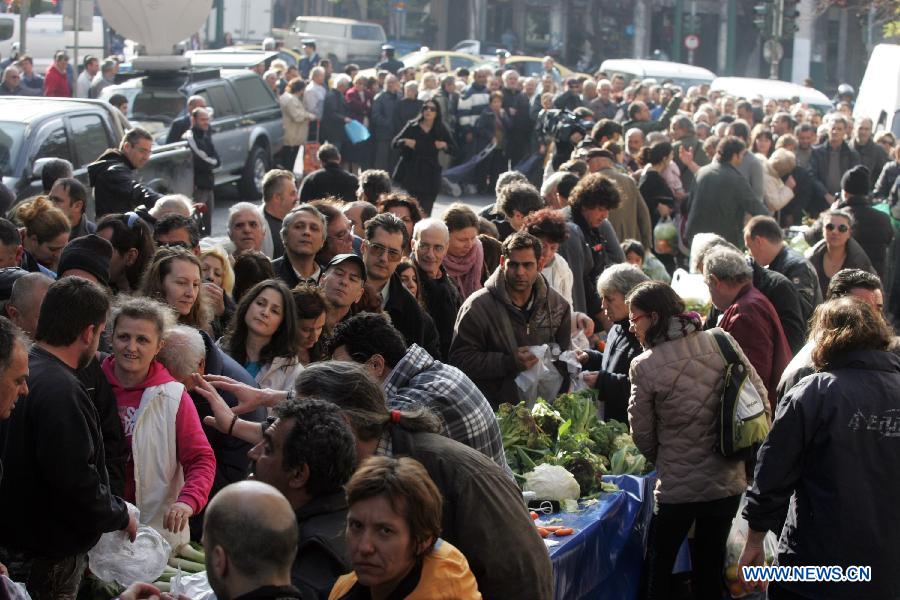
[{"x": 386, "y": 237}]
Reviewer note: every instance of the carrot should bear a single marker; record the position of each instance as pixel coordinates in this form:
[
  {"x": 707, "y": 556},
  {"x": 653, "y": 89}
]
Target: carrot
[
  {"x": 534, "y": 516},
  {"x": 542, "y": 532},
  {"x": 553, "y": 528},
  {"x": 563, "y": 531}
]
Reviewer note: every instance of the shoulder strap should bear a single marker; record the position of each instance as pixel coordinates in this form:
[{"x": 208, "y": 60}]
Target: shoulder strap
[{"x": 725, "y": 347}]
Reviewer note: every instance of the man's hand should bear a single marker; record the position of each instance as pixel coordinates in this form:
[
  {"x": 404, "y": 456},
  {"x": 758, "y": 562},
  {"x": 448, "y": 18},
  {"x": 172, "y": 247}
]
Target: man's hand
[
  {"x": 141, "y": 591},
  {"x": 753, "y": 555},
  {"x": 222, "y": 415},
  {"x": 582, "y": 356},
  {"x": 131, "y": 529},
  {"x": 216, "y": 295},
  {"x": 249, "y": 398},
  {"x": 584, "y": 323},
  {"x": 791, "y": 182},
  {"x": 411, "y": 144},
  {"x": 664, "y": 210},
  {"x": 177, "y": 516},
  {"x": 525, "y": 359},
  {"x": 590, "y": 378}
]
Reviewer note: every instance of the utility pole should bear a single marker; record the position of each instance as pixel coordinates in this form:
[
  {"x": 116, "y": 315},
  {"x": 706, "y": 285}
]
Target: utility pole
[
  {"x": 776, "y": 51},
  {"x": 24, "y": 13}
]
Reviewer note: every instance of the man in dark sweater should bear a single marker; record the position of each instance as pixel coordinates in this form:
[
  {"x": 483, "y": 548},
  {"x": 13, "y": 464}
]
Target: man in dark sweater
[
  {"x": 55, "y": 497},
  {"x": 330, "y": 180}
]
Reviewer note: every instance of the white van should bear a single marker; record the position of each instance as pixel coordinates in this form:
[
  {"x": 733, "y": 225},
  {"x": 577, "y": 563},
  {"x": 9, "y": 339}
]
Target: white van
[
  {"x": 660, "y": 70},
  {"x": 771, "y": 89},
  {"x": 342, "y": 41},
  {"x": 45, "y": 35},
  {"x": 879, "y": 92}
]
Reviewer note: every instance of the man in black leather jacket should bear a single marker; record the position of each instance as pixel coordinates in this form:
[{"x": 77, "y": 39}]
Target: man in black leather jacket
[{"x": 114, "y": 179}]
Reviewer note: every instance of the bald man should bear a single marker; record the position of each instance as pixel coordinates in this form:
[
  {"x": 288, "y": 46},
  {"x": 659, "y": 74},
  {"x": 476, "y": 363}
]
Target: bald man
[
  {"x": 24, "y": 304},
  {"x": 250, "y": 539}
]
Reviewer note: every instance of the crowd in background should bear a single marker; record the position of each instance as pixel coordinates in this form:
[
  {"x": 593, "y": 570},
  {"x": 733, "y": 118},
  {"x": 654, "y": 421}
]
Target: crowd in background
[{"x": 339, "y": 319}]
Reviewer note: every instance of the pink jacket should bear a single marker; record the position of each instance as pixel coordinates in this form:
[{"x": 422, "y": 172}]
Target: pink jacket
[
  {"x": 194, "y": 452},
  {"x": 56, "y": 83}
]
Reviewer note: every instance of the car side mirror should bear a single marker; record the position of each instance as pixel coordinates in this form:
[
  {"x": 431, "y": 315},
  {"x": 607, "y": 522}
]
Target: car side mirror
[{"x": 38, "y": 167}]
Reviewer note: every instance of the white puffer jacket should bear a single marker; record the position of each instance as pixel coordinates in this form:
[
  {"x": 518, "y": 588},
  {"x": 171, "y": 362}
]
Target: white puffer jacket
[{"x": 676, "y": 389}]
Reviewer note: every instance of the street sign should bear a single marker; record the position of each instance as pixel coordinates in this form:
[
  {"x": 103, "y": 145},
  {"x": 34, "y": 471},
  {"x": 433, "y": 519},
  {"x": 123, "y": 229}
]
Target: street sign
[
  {"x": 773, "y": 51},
  {"x": 691, "y": 41},
  {"x": 85, "y": 15}
]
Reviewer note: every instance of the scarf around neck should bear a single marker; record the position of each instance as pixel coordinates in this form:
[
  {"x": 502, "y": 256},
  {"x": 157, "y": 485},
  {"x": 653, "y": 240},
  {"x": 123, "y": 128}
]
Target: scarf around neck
[
  {"x": 465, "y": 271},
  {"x": 680, "y": 326}
]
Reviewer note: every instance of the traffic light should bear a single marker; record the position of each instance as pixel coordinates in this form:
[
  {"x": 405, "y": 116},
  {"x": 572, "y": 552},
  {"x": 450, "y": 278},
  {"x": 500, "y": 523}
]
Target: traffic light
[
  {"x": 762, "y": 12},
  {"x": 789, "y": 18}
]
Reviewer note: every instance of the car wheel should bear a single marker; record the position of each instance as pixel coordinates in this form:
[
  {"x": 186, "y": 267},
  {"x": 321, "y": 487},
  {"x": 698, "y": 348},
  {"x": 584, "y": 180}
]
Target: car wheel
[{"x": 256, "y": 168}]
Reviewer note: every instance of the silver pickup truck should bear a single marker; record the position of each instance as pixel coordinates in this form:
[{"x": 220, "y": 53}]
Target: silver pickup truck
[
  {"x": 34, "y": 130},
  {"x": 247, "y": 129}
]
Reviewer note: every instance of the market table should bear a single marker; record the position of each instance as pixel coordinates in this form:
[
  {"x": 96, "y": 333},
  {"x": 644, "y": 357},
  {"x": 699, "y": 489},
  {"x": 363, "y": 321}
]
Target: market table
[{"x": 603, "y": 558}]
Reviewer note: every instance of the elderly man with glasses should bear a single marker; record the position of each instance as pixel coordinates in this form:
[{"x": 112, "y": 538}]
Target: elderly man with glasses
[{"x": 11, "y": 85}]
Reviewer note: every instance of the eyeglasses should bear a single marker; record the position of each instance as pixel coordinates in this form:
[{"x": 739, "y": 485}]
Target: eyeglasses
[
  {"x": 841, "y": 228},
  {"x": 634, "y": 320},
  {"x": 173, "y": 245},
  {"x": 379, "y": 250}
]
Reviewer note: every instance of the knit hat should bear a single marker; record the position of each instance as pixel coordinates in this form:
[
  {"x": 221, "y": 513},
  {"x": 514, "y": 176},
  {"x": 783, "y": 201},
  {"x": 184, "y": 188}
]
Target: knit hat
[
  {"x": 855, "y": 182},
  {"x": 90, "y": 253}
]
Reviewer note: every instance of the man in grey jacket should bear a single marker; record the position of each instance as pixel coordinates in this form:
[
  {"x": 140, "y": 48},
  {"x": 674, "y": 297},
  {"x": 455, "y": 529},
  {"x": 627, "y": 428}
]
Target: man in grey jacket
[{"x": 721, "y": 196}]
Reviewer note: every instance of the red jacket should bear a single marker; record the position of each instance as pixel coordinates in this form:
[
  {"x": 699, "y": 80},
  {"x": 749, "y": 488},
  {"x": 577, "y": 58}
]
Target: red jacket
[
  {"x": 56, "y": 83},
  {"x": 752, "y": 321}
]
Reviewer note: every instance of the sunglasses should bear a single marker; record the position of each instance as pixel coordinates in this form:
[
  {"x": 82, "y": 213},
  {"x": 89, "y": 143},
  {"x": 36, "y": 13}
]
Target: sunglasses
[
  {"x": 841, "y": 228},
  {"x": 429, "y": 108}
]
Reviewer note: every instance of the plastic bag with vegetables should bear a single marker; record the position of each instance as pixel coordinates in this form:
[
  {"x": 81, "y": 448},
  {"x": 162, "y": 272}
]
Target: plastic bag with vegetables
[
  {"x": 737, "y": 537},
  {"x": 114, "y": 559}
]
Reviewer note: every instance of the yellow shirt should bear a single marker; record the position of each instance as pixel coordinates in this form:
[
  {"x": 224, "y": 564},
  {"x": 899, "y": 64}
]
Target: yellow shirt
[{"x": 445, "y": 576}]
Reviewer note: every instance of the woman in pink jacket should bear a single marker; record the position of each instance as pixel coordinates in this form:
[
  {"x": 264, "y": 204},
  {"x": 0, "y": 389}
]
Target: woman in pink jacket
[{"x": 170, "y": 465}]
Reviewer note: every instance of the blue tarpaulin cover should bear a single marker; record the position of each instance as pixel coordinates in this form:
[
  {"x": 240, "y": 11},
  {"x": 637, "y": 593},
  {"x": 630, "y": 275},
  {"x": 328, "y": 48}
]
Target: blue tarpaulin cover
[{"x": 603, "y": 559}]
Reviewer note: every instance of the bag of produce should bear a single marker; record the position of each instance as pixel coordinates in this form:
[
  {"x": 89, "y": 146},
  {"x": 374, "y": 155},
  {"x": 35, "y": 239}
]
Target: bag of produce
[
  {"x": 665, "y": 237},
  {"x": 737, "y": 537},
  {"x": 693, "y": 290},
  {"x": 542, "y": 380},
  {"x": 114, "y": 559}
]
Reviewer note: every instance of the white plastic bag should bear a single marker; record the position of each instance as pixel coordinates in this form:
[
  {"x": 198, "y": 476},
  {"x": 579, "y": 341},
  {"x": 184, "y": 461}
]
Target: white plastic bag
[
  {"x": 14, "y": 591},
  {"x": 693, "y": 290},
  {"x": 114, "y": 559},
  {"x": 552, "y": 482},
  {"x": 737, "y": 537},
  {"x": 196, "y": 587},
  {"x": 542, "y": 380}
]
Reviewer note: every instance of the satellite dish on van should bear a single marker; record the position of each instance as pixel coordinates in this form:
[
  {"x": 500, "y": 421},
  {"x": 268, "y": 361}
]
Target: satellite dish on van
[{"x": 156, "y": 24}]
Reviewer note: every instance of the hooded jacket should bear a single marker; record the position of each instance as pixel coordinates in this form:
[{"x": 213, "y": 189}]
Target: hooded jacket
[
  {"x": 489, "y": 329},
  {"x": 676, "y": 391},
  {"x": 117, "y": 188},
  {"x": 830, "y": 462},
  {"x": 194, "y": 453}
]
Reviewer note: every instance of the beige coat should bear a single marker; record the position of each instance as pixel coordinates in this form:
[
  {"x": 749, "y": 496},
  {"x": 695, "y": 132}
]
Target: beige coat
[
  {"x": 675, "y": 392},
  {"x": 296, "y": 119},
  {"x": 631, "y": 220}
]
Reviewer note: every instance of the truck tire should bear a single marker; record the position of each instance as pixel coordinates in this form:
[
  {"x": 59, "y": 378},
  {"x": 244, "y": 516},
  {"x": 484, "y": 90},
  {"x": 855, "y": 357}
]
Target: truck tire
[{"x": 258, "y": 164}]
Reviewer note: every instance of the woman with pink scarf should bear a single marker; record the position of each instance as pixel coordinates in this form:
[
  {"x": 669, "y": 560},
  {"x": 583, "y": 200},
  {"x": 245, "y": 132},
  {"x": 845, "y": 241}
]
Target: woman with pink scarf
[{"x": 471, "y": 258}]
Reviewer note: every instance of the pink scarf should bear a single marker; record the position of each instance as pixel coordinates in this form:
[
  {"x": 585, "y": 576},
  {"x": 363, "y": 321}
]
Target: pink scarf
[{"x": 466, "y": 271}]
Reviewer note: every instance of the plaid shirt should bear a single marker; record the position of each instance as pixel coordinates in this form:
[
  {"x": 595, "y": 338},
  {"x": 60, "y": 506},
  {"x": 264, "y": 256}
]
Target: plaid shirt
[{"x": 419, "y": 380}]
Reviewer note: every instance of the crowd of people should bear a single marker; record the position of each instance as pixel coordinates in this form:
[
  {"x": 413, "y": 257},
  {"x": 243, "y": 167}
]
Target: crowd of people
[{"x": 348, "y": 349}]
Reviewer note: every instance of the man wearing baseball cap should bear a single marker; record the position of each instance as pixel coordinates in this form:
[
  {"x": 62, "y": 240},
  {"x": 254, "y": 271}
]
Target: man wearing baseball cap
[{"x": 342, "y": 281}]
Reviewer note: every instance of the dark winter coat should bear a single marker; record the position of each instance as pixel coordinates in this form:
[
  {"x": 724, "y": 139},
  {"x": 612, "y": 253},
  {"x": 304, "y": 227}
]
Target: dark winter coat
[
  {"x": 322, "y": 554},
  {"x": 612, "y": 367},
  {"x": 117, "y": 188},
  {"x": 419, "y": 169}
]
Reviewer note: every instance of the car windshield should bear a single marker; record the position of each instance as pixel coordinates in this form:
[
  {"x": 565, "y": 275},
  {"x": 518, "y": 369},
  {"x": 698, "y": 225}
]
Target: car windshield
[
  {"x": 12, "y": 135},
  {"x": 150, "y": 104}
]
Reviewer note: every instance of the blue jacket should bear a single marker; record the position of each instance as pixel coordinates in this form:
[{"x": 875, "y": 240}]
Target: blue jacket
[{"x": 830, "y": 461}]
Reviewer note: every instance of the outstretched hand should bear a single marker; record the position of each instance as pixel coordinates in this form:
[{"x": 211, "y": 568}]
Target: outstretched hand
[{"x": 249, "y": 398}]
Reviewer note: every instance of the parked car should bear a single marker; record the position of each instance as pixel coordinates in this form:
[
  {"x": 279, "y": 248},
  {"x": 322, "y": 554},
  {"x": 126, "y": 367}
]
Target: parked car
[
  {"x": 35, "y": 130},
  {"x": 246, "y": 124},
  {"x": 660, "y": 70},
  {"x": 532, "y": 66},
  {"x": 771, "y": 89},
  {"x": 449, "y": 60},
  {"x": 342, "y": 41},
  {"x": 879, "y": 92}
]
